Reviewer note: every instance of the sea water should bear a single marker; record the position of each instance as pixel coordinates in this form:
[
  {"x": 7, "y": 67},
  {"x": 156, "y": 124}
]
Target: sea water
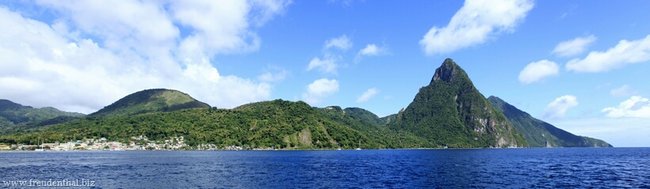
[{"x": 448, "y": 168}]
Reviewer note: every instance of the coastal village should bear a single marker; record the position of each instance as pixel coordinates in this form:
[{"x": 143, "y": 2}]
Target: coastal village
[
  {"x": 136, "y": 143},
  {"x": 102, "y": 144}
]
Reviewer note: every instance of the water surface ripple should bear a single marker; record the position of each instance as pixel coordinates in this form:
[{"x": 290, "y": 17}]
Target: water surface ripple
[{"x": 461, "y": 168}]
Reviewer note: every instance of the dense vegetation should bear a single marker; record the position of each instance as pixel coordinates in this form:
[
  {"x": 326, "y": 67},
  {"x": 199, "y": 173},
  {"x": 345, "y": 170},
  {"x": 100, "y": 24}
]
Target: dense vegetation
[
  {"x": 451, "y": 112},
  {"x": 366, "y": 122},
  {"x": 14, "y": 116},
  {"x": 151, "y": 100},
  {"x": 276, "y": 124},
  {"x": 363, "y": 116},
  {"x": 539, "y": 133}
]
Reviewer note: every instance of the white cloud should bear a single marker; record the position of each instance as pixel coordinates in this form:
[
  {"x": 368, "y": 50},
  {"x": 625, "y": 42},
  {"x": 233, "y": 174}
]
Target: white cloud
[
  {"x": 625, "y": 52},
  {"x": 114, "y": 23},
  {"x": 276, "y": 75},
  {"x": 620, "y": 132},
  {"x": 96, "y": 52},
  {"x": 325, "y": 65},
  {"x": 328, "y": 63},
  {"x": 634, "y": 107},
  {"x": 371, "y": 50},
  {"x": 213, "y": 27},
  {"x": 367, "y": 95},
  {"x": 342, "y": 42},
  {"x": 222, "y": 26},
  {"x": 320, "y": 89},
  {"x": 622, "y": 91},
  {"x": 267, "y": 9},
  {"x": 574, "y": 46},
  {"x": 536, "y": 71},
  {"x": 558, "y": 107},
  {"x": 474, "y": 23}
]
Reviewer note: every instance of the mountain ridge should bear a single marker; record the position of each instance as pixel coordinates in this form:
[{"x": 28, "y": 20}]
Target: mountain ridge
[
  {"x": 151, "y": 100},
  {"x": 539, "y": 133},
  {"x": 17, "y": 116},
  {"x": 448, "y": 112}
]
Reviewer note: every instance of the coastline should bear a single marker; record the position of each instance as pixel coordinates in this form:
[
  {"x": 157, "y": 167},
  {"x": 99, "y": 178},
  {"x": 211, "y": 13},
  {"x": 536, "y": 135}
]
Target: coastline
[{"x": 297, "y": 149}]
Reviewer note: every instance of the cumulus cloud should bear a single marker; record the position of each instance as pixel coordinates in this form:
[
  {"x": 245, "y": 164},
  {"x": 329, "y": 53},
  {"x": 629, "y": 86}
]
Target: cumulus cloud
[
  {"x": 536, "y": 71},
  {"x": 96, "y": 52},
  {"x": 574, "y": 47},
  {"x": 328, "y": 62},
  {"x": 558, "y": 107},
  {"x": 320, "y": 89},
  {"x": 222, "y": 26},
  {"x": 625, "y": 52},
  {"x": 367, "y": 95},
  {"x": 634, "y": 107},
  {"x": 371, "y": 50},
  {"x": 622, "y": 91},
  {"x": 325, "y": 65},
  {"x": 342, "y": 42},
  {"x": 113, "y": 24},
  {"x": 474, "y": 23}
]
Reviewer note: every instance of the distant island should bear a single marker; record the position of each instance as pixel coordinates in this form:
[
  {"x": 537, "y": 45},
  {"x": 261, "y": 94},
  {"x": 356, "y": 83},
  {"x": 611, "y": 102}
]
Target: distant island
[{"x": 447, "y": 113}]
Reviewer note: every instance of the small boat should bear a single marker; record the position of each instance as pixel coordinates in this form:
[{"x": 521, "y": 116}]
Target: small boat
[{"x": 357, "y": 149}]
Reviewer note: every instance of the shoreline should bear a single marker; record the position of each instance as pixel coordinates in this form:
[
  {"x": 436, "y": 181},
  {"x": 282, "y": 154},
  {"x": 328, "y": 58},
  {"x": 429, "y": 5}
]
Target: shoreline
[{"x": 287, "y": 150}]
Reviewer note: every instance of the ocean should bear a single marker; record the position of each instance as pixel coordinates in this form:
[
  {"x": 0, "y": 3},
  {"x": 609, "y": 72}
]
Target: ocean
[{"x": 444, "y": 168}]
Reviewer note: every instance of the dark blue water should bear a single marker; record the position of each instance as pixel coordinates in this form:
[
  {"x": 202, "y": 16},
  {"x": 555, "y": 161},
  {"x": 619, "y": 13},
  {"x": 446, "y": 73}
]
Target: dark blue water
[{"x": 482, "y": 168}]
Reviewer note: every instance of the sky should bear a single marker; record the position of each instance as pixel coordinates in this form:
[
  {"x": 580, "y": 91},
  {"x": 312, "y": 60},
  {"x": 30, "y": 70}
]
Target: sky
[{"x": 580, "y": 65}]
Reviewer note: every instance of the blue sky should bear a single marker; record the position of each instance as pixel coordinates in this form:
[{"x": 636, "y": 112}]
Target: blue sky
[{"x": 580, "y": 65}]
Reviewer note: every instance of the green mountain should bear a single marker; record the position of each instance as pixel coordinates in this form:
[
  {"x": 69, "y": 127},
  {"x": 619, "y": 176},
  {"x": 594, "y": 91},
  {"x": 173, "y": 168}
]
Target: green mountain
[
  {"x": 151, "y": 100},
  {"x": 15, "y": 116},
  {"x": 387, "y": 119},
  {"x": 364, "y": 116},
  {"x": 451, "y": 112},
  {"x": 539, "y": 133},
  {"x": 277, "y": 124},
  {"x": 366, "y": 122}
]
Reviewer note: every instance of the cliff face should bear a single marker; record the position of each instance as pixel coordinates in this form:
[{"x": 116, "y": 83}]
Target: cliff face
[{"x": 451, "y": 112}]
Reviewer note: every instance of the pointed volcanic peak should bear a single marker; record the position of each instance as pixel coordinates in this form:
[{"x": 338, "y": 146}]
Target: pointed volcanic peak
[
  {"x": 539, "y": 133},
  {"x": 449, "y": 72},
  {"x": 451, "y": 112},
  {"x": 151, "y": 100}
]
